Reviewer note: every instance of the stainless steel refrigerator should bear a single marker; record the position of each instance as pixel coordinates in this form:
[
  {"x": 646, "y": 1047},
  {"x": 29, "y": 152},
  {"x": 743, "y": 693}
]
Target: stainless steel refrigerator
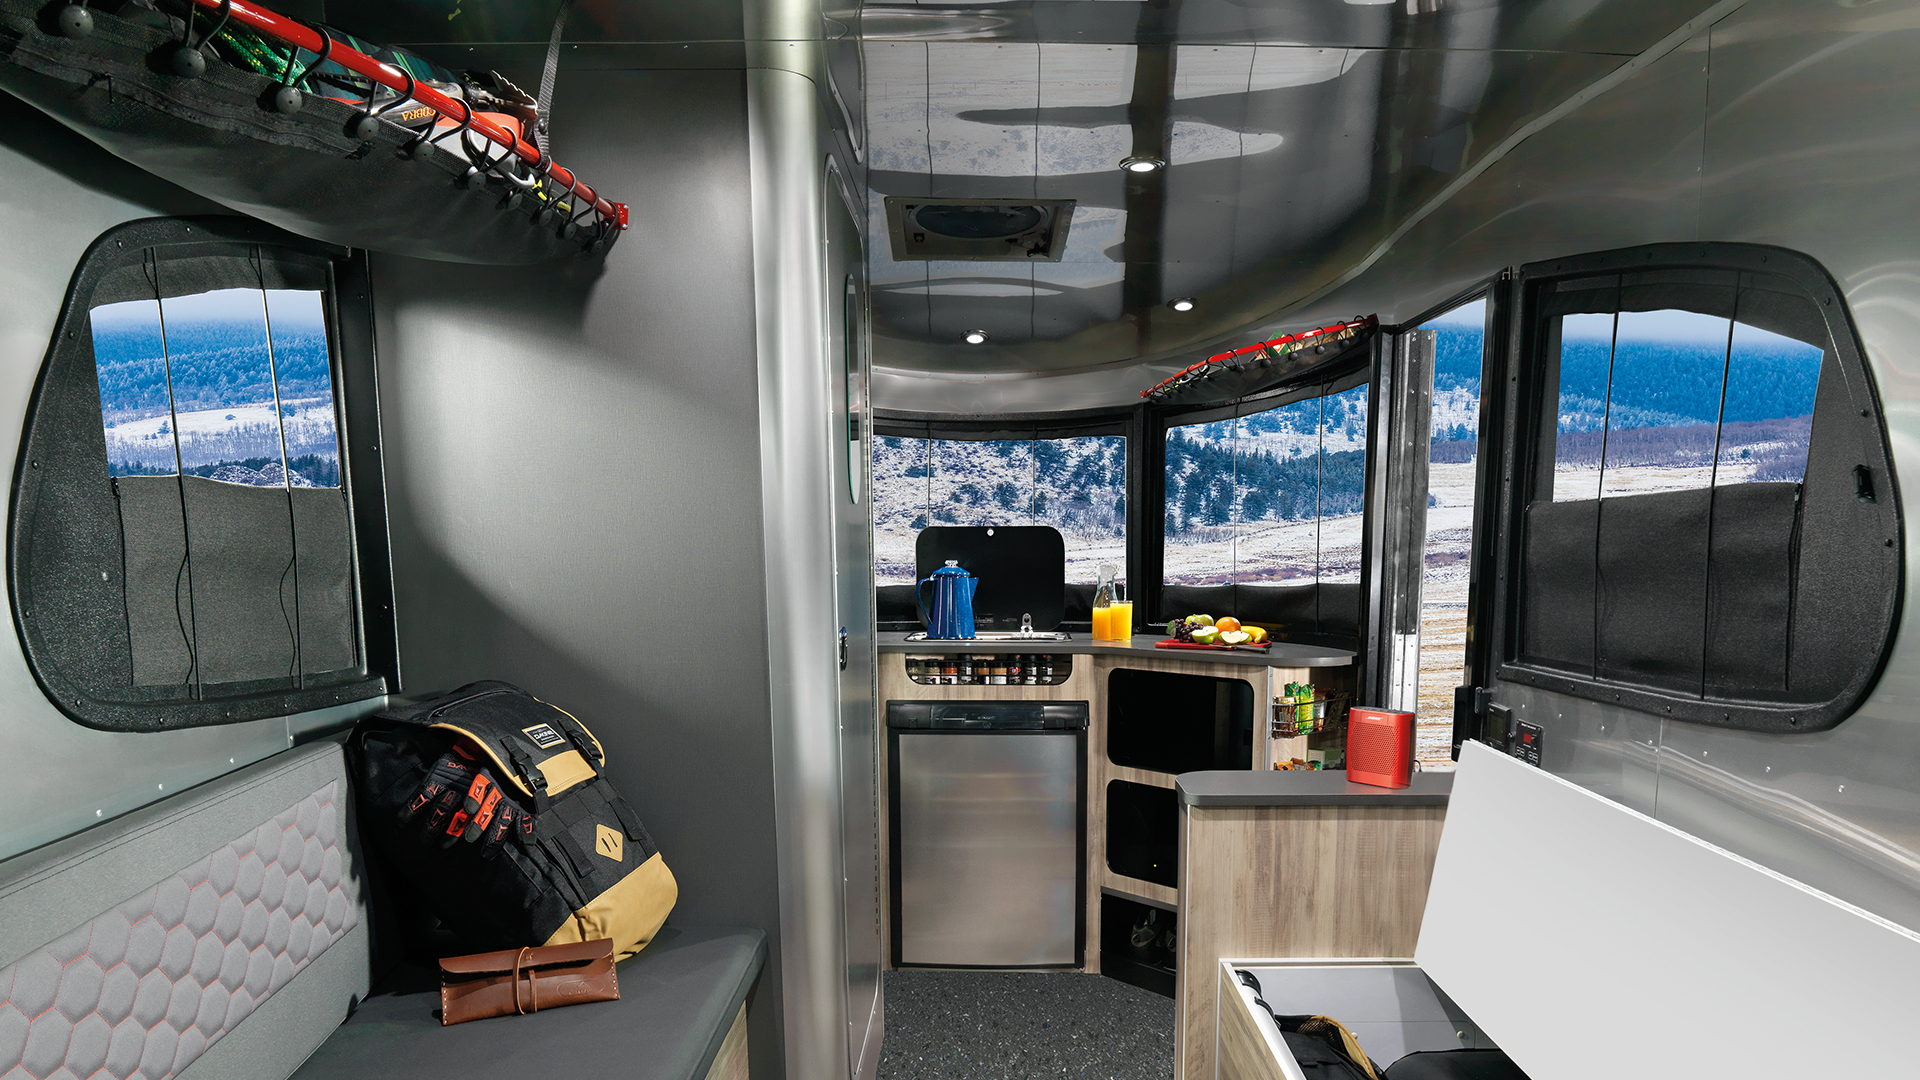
[{"x": 989, "y": 833}]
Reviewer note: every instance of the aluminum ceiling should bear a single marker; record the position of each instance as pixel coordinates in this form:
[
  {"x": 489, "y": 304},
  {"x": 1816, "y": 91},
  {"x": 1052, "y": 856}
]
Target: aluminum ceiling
[{"x": 1299, "y": 135}]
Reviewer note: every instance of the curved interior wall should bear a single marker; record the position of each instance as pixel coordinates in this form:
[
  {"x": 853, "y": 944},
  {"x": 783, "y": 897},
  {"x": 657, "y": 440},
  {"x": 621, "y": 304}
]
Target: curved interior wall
[
  {"x": 61, "y": 192},
  {"x": 1792, "y": 124}
]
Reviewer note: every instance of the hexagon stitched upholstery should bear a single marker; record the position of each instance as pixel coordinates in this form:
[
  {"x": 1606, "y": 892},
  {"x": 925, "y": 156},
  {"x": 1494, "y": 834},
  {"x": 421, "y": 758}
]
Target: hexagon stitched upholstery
[{"x": 144, "y": 988}]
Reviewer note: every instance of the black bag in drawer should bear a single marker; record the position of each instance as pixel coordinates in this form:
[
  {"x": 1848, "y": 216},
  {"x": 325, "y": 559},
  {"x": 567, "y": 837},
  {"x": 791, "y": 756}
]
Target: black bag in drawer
[
  {"x": 490, "y": 806},
  {"x": 1455, "y": 1065}
]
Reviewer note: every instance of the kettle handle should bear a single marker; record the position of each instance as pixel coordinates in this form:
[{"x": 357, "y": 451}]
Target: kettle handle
[{"x": 925, "y": 619}]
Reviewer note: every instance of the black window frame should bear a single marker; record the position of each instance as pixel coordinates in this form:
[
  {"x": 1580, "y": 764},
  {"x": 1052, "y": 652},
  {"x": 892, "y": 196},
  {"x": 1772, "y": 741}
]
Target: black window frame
[
  {"x": 62, "y": 496},
  {"x": 1875, "y": 565},
  {"x": 1145, "y": 429}
]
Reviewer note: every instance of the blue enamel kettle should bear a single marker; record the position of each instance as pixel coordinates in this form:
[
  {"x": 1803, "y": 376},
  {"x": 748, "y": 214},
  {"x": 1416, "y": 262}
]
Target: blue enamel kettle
[{"x": 952, "y": 601}]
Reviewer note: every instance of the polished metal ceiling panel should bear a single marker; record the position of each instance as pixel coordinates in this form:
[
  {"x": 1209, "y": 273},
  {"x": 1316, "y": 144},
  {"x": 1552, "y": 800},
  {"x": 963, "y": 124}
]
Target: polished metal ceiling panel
[
  {"x": 1613, "y": 26},
  {"x": 1285, "y": 161},
  {"x": 1300, "y": 135}
]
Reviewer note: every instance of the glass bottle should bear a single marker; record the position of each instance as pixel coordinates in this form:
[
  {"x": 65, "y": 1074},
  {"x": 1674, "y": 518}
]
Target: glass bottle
[{"x": 1103, "y": 595}]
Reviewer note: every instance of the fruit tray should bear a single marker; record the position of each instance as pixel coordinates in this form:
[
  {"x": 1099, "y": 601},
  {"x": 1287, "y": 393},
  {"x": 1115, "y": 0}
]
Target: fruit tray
[{"x": 1169, "y": 643}]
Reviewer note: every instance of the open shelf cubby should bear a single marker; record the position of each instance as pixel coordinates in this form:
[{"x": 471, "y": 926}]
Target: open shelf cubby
[
  {"x": 1169, "y": 723},
  {"x": 1137, "y": 943}
]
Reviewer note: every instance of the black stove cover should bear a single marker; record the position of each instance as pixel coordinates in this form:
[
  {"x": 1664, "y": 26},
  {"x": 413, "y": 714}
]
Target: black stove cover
[{"x": 1022, "y": 570}]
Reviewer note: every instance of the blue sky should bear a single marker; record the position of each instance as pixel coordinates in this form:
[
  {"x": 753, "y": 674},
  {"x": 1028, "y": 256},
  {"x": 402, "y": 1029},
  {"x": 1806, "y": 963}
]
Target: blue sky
[
  {"x": 1472, "y": 314},
  {"x": 1672, "y": 325},
  {"x": 293, "y": 311}
]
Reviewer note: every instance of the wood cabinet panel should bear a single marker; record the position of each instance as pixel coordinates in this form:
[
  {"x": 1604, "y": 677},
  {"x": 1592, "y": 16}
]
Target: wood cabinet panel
[
  {"x": 1243, "y": 1051},
  {"x": 1292, "y": 881}
]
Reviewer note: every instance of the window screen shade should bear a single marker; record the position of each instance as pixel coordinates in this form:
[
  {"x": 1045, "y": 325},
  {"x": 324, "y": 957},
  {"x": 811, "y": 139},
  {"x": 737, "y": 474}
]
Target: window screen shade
[
  {"x": 153, "y": 601},
  {"x": 1746, "y": 581}
]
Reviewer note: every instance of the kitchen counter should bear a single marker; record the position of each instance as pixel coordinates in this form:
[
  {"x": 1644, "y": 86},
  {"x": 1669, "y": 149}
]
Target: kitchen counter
[
  {"x": 1302, "y": 787},
  {"x": 1282, "y": 654}
]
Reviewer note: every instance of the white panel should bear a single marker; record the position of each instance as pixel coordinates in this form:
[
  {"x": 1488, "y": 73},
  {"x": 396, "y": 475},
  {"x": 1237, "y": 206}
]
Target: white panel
[{"x": 1590, "y": 940}]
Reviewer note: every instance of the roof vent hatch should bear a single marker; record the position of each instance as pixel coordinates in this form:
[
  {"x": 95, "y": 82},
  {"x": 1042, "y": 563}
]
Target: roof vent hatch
[{"x": 979, "y": 230}]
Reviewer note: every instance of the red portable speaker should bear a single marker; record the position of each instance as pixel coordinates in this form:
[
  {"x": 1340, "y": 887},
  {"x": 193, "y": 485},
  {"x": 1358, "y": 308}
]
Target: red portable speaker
[{"x": 1380, "y": 747}]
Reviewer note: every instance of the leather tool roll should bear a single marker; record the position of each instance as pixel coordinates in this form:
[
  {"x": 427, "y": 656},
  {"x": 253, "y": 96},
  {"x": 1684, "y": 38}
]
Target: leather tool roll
[{"x": 514, "y": 981}]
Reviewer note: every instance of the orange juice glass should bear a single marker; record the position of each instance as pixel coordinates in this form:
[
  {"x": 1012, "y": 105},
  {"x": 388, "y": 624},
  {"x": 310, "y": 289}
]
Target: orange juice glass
[
  {"x": 1120, "y": 622},
  {"x": 1103, "y": 623}
]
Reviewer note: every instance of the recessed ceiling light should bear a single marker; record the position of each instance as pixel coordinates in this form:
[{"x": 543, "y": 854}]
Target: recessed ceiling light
[
  {"x": 1142, "y": 164},
  {"x": 975, "y": 337},
  {"x": 1184, "y": 303}
]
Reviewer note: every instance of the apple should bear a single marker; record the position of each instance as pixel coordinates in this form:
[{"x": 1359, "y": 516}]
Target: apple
[
  {"x": 1199, "y": 620},
  {"x": 1234, "y": 637},
  {"x": 1205, "y": 635}
]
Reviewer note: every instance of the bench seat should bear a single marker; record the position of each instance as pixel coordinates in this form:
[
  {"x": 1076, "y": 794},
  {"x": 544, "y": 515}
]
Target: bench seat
[
  {"x": 684, "y": 981},
  {"x": 236, "y": 931}
]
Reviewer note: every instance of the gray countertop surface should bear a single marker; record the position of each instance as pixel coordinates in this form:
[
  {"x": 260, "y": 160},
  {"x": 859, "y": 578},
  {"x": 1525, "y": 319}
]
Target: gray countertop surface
[
  {"x": 1302, "y": 787},
  {"x": 1279, "y": 654}
]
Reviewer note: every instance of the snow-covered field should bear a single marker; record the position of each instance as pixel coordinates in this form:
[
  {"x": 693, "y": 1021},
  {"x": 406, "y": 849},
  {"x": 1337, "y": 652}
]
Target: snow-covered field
[{"x": 235, "y": 433}]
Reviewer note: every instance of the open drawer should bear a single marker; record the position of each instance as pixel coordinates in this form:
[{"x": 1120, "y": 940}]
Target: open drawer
[{"x": 1389, "y": 1004}]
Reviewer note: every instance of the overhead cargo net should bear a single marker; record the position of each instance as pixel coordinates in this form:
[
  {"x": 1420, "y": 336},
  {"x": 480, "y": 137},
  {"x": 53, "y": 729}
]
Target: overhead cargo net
[
  {"x": 1292, "y": 359},
  {"x": 307, "y": 127}
]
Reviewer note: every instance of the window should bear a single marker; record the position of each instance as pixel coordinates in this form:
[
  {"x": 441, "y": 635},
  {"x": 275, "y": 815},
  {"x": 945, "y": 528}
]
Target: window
[
  {"x": 1675, "y": 400},
  {"x": 235, "y": 385},
  {"x": 1458, "y": 349},
  {"x": 1270, "y": 504},
  {"x": 1274, "y": 498},
  {"x": 1711, "y": 531},
  {"x": 183, "y": 546},
  {"x": 1076, "y": 484}
]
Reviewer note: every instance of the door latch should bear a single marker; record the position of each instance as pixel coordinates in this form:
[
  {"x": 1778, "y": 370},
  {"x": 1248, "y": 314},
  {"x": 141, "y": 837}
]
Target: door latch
[{"x": 843, "y": 648}]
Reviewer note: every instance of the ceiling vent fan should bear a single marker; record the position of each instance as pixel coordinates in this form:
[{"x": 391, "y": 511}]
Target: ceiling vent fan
[{"x": 978, "y": 230}]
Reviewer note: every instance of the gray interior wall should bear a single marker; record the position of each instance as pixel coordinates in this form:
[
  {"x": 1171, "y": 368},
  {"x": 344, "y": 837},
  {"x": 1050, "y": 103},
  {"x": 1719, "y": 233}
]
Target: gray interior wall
[
  {"x": 573, "y": 469},
  {"x": 57, "y": 193}
]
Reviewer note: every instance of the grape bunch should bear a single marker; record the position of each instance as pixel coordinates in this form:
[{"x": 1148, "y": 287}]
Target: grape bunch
[{"x": 1179, "y": 629}]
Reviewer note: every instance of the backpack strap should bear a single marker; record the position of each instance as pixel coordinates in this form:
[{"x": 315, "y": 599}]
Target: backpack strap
[{"x": 531, "y": 778}]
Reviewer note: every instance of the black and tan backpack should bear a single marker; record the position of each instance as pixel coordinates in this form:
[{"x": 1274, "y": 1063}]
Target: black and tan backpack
[{"x": 491, "y": 808}]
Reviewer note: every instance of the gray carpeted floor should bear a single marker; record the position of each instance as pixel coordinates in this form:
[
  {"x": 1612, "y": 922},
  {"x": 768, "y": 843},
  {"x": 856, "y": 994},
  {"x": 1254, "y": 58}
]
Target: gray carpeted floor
[{"x": 1001, "y": 1025}]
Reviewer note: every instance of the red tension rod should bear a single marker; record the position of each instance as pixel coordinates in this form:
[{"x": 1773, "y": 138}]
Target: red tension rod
[
  {"x": 300, "y": 35},
  {"x": 1301, "y": 338}
]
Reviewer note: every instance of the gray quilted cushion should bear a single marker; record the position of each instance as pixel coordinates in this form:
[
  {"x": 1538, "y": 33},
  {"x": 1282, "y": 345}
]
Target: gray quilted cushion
[{"x": 144, "y": 988}]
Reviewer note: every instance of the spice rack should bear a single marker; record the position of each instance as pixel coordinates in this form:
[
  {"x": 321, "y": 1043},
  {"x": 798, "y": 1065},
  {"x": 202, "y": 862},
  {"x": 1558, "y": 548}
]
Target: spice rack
[
  {"x": 1324, "y": 713},
  {"x": 1001, "y": 669}
]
